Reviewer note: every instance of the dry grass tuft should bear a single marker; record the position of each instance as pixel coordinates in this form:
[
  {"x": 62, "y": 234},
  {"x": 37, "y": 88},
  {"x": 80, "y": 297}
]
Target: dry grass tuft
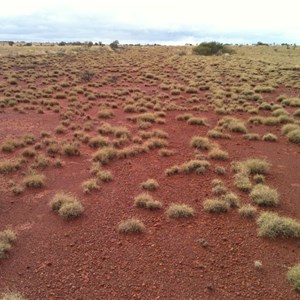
[
  {"x": 293, "y": 276},
  {"x": 263, "y": 195},
  {"x": 131, "y": 226},
  {"x": 177, "y": 211},
  {"x": 34, "y": 180},
  {"x": 248, "y": 211},
  {"x": 150, "y": 185},
  {"x": 67, "y": 206},
  {"x": 146, "y": 201},
  {"x": 271, "y": 225},
  {"x": 215, "y": 206}
]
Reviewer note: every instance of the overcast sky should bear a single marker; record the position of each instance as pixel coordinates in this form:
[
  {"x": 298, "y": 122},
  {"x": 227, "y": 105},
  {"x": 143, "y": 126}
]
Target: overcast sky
[{"x": 151, "y": 21}]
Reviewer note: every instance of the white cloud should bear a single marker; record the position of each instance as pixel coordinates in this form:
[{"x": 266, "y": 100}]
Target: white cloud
[{"x": 227, "y": 18}]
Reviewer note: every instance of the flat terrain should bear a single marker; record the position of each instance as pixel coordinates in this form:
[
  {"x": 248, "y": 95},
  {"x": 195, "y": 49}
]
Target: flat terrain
[{"x": 146, "y": 104}]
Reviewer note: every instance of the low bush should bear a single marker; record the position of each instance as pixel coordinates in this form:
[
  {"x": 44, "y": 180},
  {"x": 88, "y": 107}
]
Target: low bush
[{"x": 211, "y": 48}]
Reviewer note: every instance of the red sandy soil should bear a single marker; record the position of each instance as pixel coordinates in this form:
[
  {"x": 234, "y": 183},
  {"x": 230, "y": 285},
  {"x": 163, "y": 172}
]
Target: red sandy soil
[{"x": 87, "y": 258}]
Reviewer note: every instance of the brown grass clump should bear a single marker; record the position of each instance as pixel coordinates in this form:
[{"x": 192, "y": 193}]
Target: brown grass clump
[
  {"x": 218, "y": 154},
  {"x": 90, "y": 185},
  {"x": 252, "y": 166},
  {"x": 7, "y": 237},
  {"x": 104, "y": 155},
  {"x": 201, "y": 143},
  {"x": 197, "y": 121},
  {"x": 104, "y": 175},
  {"x": 99, "y": 142},
  {"x": 105, "y": 113},
  {"x": 293, "y": 276},
  {"x": 232, "y": 199},
  {"x": 263, "y": 195},
  {"x": 146, "y": 201},
  {"x": 294, "y": 136},
  {"x": 131, "y": 226},
  {"x": 12, "y": 296},
  {"x": 248, "y": 211},
  {"x": 67, "y": 206},
  {"x": 8, "y": 166},
  {"x": 34, "y": 180},
  {"x": 242, "y": 182},
  {"x": 215, "y": 206},
  {"x": 271, "y": 225},
  {"x": 270, "y": 137},
  {"x": 150, "y": 185},
  {"x": 71, "y": 149},
  {"x": 165, "y": 152},
  {"x": 251, "y": 136},
  {"x": 177, "y": 211}
]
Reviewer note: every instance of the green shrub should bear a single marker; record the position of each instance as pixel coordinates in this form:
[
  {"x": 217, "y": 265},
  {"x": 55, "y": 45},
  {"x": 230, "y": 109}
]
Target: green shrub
[
  {"x": 211, "y": 48},
  {"x": 263, "y": 195},
  {"x": 131, "y": 226},
  {"x": 177, "y": 211},
  {"x": 294, "y": 277},
  {"x": 272, "y": 225}
]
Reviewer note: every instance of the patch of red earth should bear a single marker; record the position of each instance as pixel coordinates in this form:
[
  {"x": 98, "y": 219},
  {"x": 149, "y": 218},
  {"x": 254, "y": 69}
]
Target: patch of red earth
[{"x": 87, "y": 259}]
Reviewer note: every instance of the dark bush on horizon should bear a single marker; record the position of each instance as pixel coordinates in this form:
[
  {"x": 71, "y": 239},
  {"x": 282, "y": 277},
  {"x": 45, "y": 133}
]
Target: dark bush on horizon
[{"x": 211, "y": 48}]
